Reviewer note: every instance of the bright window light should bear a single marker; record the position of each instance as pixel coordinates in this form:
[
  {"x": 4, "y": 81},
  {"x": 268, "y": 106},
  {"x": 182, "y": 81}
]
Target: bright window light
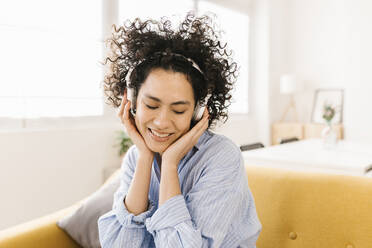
[
  {"x": 50, "y": 54},
  {"x": 235, "y": 27},
  {"x": 175, "y": 10}
]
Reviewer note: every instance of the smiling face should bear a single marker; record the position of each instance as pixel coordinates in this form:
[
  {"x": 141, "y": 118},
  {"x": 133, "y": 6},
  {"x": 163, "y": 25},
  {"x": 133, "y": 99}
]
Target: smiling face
[{"x": 165, "y": 104}]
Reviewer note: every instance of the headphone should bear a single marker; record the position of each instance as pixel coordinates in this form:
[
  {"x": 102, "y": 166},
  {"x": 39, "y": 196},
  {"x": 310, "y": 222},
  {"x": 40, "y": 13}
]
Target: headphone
[{"x": 198, "y": 111}]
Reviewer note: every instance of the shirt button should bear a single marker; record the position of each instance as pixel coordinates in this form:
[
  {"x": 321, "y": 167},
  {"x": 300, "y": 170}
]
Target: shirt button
[
  {"x": 292, "y": 235},
  {"x": 137, "y": 222}
]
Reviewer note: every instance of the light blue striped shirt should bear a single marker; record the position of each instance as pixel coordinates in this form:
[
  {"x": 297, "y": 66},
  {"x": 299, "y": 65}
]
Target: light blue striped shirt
[{"x": 216, "y": 208}]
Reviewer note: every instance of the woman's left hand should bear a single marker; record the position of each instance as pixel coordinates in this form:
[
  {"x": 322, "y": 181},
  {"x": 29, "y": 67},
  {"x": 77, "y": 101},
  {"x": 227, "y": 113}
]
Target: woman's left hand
[{"x": 176, "y": 151}]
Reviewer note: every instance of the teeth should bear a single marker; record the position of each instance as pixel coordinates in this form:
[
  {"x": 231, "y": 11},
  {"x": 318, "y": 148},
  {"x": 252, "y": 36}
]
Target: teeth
[{"x": 158, "y": 134}]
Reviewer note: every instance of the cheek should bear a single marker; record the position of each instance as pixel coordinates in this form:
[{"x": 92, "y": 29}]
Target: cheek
[
  {"x": 137, "y": 121},
  {"x": 141, "y": 117},
  {"x": 183, "y": 124}
]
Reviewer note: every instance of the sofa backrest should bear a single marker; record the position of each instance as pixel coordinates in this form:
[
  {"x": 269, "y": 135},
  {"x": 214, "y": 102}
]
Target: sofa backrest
[{"x": 308, "y": 210}]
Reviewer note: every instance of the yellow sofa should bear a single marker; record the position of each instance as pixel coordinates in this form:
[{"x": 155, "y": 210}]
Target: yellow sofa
[{"x": 296, "y": 209}]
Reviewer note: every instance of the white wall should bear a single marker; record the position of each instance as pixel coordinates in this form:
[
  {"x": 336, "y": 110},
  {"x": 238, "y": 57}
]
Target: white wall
[
  {"x": 327, "y": 44},
  {"x": 337, "y": 37},
  {"x": 54, "y": 163},
  {"x": 244, "y": 129},
  {"x": 42, "y": 171}
]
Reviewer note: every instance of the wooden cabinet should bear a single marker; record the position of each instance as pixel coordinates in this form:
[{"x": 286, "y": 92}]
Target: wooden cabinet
[{"x": 286, "y": 130}]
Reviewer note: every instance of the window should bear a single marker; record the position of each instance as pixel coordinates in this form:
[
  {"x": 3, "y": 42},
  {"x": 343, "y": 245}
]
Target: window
[
  {"x": 235, "y": 27},
  {"x": 235, "y": 35},
  {"x": 50, "y": 53},
  {"x": 175, "y": 10}
]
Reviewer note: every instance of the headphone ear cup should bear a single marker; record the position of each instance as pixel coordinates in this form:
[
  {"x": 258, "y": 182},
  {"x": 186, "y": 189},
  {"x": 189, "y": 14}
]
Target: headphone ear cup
[
  {"x": 199, "y": 110},
  {"x": 198, "y": 113},
  {"x": 129, "y": 94},
  {"x": 130, "y": 98}
]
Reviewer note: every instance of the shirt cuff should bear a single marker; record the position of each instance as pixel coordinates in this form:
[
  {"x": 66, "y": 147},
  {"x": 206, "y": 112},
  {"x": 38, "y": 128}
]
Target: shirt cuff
[
  {"x": 130, "y": 220},
  {"x": 173, "y": 212}
]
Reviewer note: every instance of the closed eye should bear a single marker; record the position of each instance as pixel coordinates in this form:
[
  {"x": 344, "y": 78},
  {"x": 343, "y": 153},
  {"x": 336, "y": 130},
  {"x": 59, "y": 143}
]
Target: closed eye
[
  {"x": 178, "y": 112},
  {"x": 150, "y": 107}
]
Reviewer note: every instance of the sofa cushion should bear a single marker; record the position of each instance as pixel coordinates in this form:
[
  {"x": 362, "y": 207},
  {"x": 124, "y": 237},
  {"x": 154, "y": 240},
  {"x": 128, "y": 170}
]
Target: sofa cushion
[
  {"x": 304, "y": 209},
  {"x": 81, "y": 225}
]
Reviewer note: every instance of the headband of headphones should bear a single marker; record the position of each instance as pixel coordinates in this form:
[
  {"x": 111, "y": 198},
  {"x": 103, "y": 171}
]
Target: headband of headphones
[{"x": 193, "y": 63}]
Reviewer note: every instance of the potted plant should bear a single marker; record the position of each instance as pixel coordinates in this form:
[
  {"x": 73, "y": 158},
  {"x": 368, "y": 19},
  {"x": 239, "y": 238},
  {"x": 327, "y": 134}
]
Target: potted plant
[{"x": 124, "y": 142}]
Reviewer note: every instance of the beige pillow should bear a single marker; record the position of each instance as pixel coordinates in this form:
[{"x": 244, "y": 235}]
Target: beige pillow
[{"x": 81, "y": 225}]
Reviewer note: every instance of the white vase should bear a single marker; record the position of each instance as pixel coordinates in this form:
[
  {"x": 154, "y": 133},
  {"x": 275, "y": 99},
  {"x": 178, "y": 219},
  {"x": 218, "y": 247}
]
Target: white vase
[{"x": 329, "y": 136}]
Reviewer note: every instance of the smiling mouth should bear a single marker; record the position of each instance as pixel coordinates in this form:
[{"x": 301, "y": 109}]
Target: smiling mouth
[{"x": 159, "y": 135}]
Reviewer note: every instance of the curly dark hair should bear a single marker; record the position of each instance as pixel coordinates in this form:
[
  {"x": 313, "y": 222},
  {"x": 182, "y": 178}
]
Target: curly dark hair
[{"x": 139, "y": 46}]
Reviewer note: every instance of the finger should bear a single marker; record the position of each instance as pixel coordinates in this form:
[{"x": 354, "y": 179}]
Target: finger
[
  {"x": 123, "y": 102},
  {"x": 194, "y": 133},
  {"x": 128, "y": 121},
  {"x": 206, "y": 113},
  {"x": 126, "y": 115},
  {"x": 204, "y": 119},
  {"x": 204, "y": 125},
  {"x": 199, "y": 125},
  {"x": 121, "y": 108},
  {"x": 130, "y": 126},
  {"x": 199, "y": 129}
]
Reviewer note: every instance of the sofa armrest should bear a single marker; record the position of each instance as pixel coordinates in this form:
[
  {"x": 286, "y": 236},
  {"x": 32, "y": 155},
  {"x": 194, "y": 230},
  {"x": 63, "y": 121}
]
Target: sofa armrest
[{"x": 41, "y": 233}]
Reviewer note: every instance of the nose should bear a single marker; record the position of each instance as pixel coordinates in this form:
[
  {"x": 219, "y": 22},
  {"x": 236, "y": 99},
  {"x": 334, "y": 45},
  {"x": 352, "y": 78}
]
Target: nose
[{"x": 162, "y": 120}]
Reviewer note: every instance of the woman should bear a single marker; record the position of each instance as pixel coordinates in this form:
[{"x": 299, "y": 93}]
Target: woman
[{"x": 181, "y": 184}]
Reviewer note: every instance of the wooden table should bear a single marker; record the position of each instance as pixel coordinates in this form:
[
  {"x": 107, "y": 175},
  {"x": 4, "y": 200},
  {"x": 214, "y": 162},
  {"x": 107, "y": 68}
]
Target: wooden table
[{"x": 346, "y": 157}]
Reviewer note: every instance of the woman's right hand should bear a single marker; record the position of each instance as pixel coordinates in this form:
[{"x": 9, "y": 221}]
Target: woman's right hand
[{"x": 131, "y": 128}]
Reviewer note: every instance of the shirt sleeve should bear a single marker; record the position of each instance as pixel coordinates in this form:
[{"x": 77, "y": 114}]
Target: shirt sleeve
[
  {"x": 118, "y": 227},
  {"x": 218, "y": 211}
]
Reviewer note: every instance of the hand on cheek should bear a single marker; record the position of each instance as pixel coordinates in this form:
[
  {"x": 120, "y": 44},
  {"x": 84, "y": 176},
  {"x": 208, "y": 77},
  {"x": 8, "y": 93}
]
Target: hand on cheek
[
  {"x": 130, "y": 126},
  {"x": 176, "y": 151}
]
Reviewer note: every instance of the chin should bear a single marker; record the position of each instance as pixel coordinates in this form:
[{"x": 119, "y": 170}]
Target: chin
[
  {"x": 158, "y": 149},
  {"x": 157, "y": 146}
]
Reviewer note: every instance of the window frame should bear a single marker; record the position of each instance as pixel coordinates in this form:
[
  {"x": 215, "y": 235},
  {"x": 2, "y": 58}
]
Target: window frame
[
  {"x": 236, "y": 7},
  {"x": 109, "y": 117}
]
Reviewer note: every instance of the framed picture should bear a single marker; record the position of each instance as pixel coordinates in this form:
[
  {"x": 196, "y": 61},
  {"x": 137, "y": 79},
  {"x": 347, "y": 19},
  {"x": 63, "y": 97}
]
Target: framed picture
[{"x": 330, "y": 97}]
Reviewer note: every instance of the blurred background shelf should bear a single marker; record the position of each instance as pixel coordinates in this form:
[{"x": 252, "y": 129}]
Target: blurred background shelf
[{"x": 281, "y": 131}]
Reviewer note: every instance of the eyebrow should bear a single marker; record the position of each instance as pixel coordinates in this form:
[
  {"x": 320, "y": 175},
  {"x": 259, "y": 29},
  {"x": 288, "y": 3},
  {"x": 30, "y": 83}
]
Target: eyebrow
[{"x": 173, "y": 103}]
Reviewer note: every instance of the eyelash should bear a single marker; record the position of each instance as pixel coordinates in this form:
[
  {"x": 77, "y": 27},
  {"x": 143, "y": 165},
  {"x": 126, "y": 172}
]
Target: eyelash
[
  {"x": 177, "y": 112},
  {"x": 150, "y": 107}
]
